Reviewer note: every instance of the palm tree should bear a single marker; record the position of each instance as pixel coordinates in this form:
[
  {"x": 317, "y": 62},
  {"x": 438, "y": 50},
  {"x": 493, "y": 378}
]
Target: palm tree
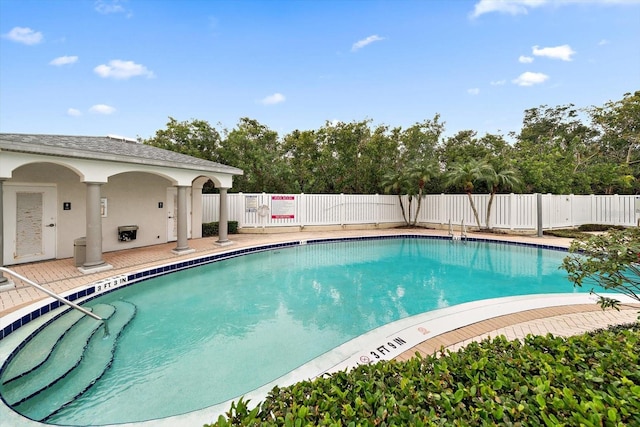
[
  {"x": 395, "y": 182},
  {"x": 466, "y": 174},
  {"x": 504, "y": 179},
  {"x": 410, "y": 181},
  {"x": 418, "y": 175}
]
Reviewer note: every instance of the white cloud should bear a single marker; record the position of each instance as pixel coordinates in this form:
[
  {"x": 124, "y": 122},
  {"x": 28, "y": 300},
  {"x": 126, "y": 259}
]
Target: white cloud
[
  {"x": 24, "y": 35},
  {"x": 64, "y": 60},
  {"x": 362, "y": 43},
  {"x": 563, "y": 52},
  {"x": 122, "y": 70},
  {"x": 498, "y": 82},
  {"x": 529, "y": 79},
  {"x": 522, "y": 7},
  {"x": 276, "y": 98},
  {"x": 525, "y": 59},
  {"x": 73, "y": 112},
  {"x": 512, "y": 7},
  {"x": 473, "y": 91},
  {"x": 603, "y": 42},
  {"x": 107, "y": 7},
  {"x": 102, "y": 109}
]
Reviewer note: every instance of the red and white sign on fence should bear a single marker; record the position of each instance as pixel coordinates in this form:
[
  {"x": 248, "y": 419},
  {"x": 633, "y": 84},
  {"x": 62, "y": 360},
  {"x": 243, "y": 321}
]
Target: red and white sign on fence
[{"x": 283, "y": 207}]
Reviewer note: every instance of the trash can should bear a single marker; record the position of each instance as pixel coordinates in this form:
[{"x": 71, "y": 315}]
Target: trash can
[{"x": 80, "y": 251}]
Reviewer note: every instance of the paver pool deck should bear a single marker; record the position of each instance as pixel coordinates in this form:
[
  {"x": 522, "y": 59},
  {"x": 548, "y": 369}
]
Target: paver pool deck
[{"x": 563, "y": 320}]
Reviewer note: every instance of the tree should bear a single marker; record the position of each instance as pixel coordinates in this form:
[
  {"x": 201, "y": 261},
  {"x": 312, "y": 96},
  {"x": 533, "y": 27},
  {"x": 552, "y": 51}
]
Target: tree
[
  {"x": 502, "y": 179},
  {"x": 353, "y": 157},
  {"x": 618, "y": 124},
  {"x": 257, "y": 150},
  {"x": 302, "y": 156},
  {"x": 467, "y": 175},
  {"x": 554, "y": 147},
  {"x": 610, "y": 260},
  {"x": 461, "y": 148},
  {"x": 396, "y": 182},
  {"x": 414, "y": 166},
  {"x": 195, "y": 138},
  {"x": 410, "y": 181}
]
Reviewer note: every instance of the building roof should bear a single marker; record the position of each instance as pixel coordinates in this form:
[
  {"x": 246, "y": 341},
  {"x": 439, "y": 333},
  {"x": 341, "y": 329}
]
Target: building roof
[{"x": 107, "y": 148}]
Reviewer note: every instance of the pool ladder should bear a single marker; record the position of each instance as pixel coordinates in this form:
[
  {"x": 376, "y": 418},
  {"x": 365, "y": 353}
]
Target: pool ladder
[
  {"x": 463, "y": 231},
  {"x": 57, "y": 297}
]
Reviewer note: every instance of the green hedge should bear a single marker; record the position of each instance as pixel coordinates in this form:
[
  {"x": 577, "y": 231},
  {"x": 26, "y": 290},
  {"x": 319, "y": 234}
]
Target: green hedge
[
  {"x": 599, "y": 227},
  {"x": 591, "y": 380},
  {"x": 581, "y": 231},
  {"x": 211, "y": 228}
]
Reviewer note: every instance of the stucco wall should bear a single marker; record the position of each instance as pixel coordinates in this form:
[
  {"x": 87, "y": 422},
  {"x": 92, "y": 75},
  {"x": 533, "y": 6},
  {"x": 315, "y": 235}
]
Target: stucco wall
[
  {"x": 132, "y": 199},
  {"x": 71, "y": 223}
]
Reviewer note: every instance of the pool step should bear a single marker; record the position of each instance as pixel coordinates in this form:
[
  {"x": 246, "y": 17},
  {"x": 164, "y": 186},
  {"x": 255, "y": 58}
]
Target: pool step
[
  {"x": 39, "y": 348},
  {"x": 65, "y": 356},
  {"x": 65, "y": 385}
]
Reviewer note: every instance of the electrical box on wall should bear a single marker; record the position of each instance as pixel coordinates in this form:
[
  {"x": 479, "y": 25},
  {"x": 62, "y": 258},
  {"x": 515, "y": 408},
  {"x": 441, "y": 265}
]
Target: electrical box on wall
[{"x": 127, "y": 232}]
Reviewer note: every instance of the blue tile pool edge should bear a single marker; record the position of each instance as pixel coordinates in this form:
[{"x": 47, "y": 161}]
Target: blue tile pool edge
[{"x": 88, "y": 292}]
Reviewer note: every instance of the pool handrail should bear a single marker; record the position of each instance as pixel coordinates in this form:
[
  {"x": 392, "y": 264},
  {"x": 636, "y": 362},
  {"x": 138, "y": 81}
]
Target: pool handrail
[{"x": 54, "y": 295}]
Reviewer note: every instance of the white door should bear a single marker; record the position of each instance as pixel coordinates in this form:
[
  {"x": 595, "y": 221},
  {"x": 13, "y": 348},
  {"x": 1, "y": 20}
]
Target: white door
[
  {"x": 172, "y": 214},
  {"x": 30, "y": 223}
]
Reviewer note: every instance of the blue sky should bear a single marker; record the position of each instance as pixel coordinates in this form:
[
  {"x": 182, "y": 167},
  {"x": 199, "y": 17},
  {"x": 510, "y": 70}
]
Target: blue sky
[{"x": 85, "y": 67}]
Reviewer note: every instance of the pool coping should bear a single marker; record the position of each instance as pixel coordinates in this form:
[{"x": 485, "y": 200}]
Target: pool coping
[{"x": 383, "y": 343}]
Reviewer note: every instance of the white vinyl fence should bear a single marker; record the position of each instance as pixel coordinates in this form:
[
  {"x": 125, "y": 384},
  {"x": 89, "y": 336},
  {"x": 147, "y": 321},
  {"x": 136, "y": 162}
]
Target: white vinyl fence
[{"x": 509, "y": 211}]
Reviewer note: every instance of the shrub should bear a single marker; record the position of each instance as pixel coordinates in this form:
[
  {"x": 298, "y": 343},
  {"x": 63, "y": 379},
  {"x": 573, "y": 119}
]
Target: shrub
[
  {"x": 591, "y": 379},
  {"x": 567, "y": 233},
  {"x": 610, "y": 260},
  {"x": 599, "y": 227},
  {"x": 211, "y": 228},
  {"x": 582, "y": 230}
]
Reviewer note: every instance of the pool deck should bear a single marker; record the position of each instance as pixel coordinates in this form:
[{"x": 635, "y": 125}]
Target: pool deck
[{"x": 61, "y": 275}]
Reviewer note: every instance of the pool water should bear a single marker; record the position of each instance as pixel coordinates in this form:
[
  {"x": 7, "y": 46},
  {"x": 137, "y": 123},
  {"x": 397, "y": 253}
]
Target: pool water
[{"x": 208, "y": 334}]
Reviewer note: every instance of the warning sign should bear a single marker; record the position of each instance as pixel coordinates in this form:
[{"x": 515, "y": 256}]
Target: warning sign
[{"x": 283, "y": 207}]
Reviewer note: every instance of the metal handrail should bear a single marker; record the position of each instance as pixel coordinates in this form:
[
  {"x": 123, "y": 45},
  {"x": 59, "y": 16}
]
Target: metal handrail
[{"x": 54, "y": 295}]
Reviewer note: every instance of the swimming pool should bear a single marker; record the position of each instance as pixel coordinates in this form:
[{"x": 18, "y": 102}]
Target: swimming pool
[{"x": 215, "y": 332}]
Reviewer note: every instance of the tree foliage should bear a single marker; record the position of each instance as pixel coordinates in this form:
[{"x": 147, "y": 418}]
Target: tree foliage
[
  {"x": 195, "y": 138},
  {"x": 559, "y": 150},
  {"x": 467, "y": 175},
  {"x": 610, "y": 261}
]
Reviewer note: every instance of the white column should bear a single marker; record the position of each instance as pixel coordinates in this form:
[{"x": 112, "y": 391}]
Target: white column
[
  {"x": 223, "y": 221},
  {"x": 3, "y": 280},
  {"x": 93, "y": 251},
  {"x": 182, "y": 244}
]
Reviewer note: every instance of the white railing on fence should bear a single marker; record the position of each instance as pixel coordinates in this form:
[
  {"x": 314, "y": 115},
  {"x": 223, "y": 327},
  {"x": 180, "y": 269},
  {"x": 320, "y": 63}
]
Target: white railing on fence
[{"x": 508, "y": 211}]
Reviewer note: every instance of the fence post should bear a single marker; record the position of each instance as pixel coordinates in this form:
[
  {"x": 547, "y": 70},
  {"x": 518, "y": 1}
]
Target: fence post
[
  {"x": 303, "y": 211},
  {"x": 377, "y": 213},
  {"x": 512, "y": 211},
  {"x": 342, "y": 208},
  {"x": 572, "y": 221},
  {"x": 240, "y": 210},
  {"x": 264, "y": 218},
  {"x": 539, "y": 213}
]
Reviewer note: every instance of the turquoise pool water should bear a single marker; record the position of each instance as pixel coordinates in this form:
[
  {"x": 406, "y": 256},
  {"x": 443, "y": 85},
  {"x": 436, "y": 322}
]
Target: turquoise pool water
[{"x": 208, "y": 334}]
